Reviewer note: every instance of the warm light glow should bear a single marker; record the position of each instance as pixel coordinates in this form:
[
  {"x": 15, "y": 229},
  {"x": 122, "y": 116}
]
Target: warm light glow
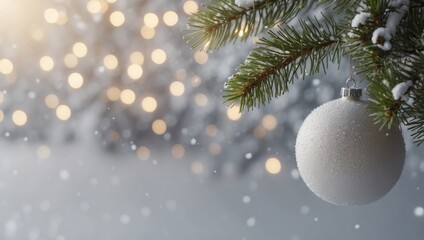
[
  {"x": 51, "y": 101},
  {"x": 63, "y": 112},
  {"x": 43, "y": 152},
  {"x": 197, "y": 167},
  {"x": 151, "y": 20},
  {"x": 215, "y": 148},
  {"x": 94, "y": 6},
  {"x": 178, "y": 151},
  {"x": 79, "y": 49},
  {"x": 37, "y": 34},
  {"x": 273, "y": 165},
  {"x": 110, "y": 62},
  {"x": 159, "y": 126},
  {"x": 137, "y": 58},
  {"x": 113, "y": 94},
  {"x": 269, "y": 122},
  {"x": 6, "y": 66},
  {"x": 259, "y": 132},
  {"x": 46, "y": 63},
  {"x": 149, "y": 104},
  {"x": 158, "y": 56},
  {"x": 147, "y": 32},
  {"x": 190, "y": 7},
  {"x": 19, "y": 117},
  {"x": 177, "y": 88},
  {"x": 201, "y": 57},
  {"x": 211, "y": 130},
  {"x": 51, "y": 15},
  {"x": 70, "y": 60},
  {"x": 128, "y": 96},
  {"x": 201, "y": 99},
  {"x": 117, "y": 18},
  {"x": 135, "y": 71},
  {"x": 170, "y": 18},
  {"x": 63, "y": 18},
  {"x": 75, "y": 80},
  {"x": 234, "y": 113},
  {"x": 143, "y": 153}
]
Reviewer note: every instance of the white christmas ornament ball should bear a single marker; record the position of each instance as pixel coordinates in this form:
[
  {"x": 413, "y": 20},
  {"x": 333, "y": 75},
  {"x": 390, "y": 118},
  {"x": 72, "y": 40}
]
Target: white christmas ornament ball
[{"x": 344, "y": 158}]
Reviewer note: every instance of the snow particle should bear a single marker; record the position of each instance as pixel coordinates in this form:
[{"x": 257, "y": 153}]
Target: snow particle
[
  {"x": 250, "y": 222},
  {"x": 248, "y": 155},
  {"x": 304, "y": 210},
  {"x": 419, "y": 212},
  {"x": 125, "y": 219},
  {"x": 145, "y": 212},
  {"x": 60, "y": 237},
  {"x": 11, "y": 228},
  {"x": 64, "y": 175},
  {"x": 171, "y": 205},
  {"x": 246, "y": 199},
  {"x": 44, "y": 206},
  {"x": 421, "y": 167},
  {"x": 316, "y": 219},
  {"x": 357, "y": 226},
  {"x": 295, "y": 174}
]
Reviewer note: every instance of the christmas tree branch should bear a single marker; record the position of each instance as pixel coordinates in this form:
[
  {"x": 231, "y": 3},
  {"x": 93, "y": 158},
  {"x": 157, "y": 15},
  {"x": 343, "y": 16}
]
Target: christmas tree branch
[
  {"x": 276, "y": 61},
  {"x": 221, "y": 22}
]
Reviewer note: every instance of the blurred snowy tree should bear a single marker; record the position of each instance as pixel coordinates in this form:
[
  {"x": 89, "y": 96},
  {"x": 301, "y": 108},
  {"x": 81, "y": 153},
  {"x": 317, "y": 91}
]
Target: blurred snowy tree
[{"x": 125, "y": 66}]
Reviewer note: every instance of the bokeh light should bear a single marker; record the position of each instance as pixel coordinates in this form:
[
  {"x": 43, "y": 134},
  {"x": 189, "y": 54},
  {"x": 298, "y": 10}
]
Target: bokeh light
[
  {"x": 75, "y": 80},
  {"x": 233, "y": 113},
  {"x": 110, "y": 62},
  {"x": 51, "y": 15},
  {"x": 128, "y": 96},
  {"x": 6, "y": 66},
  {"x": 151, "y": 20},
  {"x": 70, "y": 60},
  {"x": 63, "y": 112},
  {"x": 147, "y": 32},
  {"x": 117, "y": 18},
  {"x": 190, "y": 7},
  {"x": 80, "y": 49},
  {"x": 143, "y": 153},
  {"x": 137, "y": 57},
  {"x": 273, "y": 165},
  {"x": 201, "y": 57},
  {"x": 177, "y": 88},
  {"x": 19, "y": 117},
  {"x": 46, "y": 63},
  {"x": 135, "y": 71},
  {"x": 170, "y": 18},
  {"x": 51, "y": 101},
  {"x": 269, "y": 122},
  {"x": 113, "y": 94},
  {"x": 149, "y": 104},
  {"x": 159, "y": 126},
  {"x": 158, "y": 56}
]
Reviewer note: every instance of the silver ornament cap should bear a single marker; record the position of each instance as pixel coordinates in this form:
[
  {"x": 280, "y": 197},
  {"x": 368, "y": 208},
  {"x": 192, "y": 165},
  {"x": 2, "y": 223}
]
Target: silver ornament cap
[{"x": 352, "y": 91}]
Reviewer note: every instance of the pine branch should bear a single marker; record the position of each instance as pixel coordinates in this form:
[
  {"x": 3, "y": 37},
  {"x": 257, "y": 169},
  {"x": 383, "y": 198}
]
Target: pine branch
[
  {"x": 341, "y": 5},
  {"x": 276, "y": 61},
  {"x": 222, "y": 22}
]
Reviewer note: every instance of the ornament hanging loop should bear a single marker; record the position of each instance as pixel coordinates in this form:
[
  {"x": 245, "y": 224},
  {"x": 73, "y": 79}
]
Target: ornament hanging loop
[
  {"x": 350, "y": 81},
  {"x": 351, "y": 91}
]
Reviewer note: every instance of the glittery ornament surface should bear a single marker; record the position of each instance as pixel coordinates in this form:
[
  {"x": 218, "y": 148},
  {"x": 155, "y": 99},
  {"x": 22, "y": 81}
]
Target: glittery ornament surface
[{"x": 344, "y": 158}]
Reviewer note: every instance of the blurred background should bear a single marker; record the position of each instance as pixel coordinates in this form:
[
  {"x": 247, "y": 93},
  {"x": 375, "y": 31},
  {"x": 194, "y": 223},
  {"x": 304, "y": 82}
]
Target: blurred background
[{"x": 113, "y": 128}]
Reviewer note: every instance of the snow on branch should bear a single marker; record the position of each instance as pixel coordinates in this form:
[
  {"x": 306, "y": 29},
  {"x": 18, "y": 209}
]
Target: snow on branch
[
  {"x": 399, "y": 91},
  {"x": 393, "y": 20}
]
